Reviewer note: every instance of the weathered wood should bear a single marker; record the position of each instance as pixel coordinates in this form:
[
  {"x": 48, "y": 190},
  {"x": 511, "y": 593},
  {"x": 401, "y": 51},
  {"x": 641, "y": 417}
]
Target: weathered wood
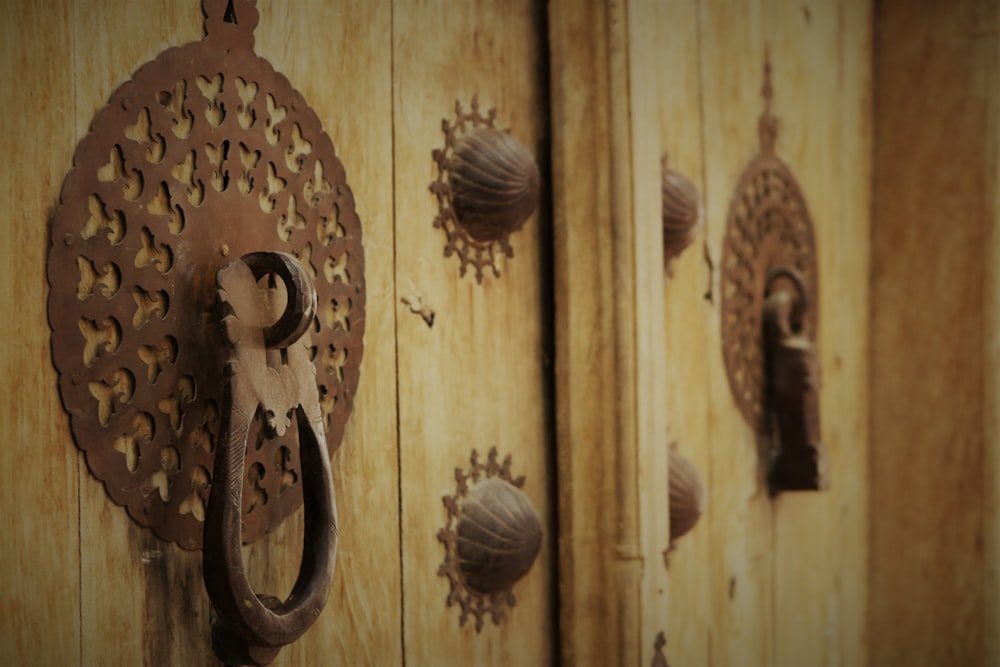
[
  {"x": 39, "y": 562},
  {"x": 340, "y": 59},
  {"x": 935, "y": 210},
  {"x": 596, "y": 347},
  {"x": 688, "y": 329},
  {"x": 820, "y": 538},
  {"x": 740, "y": 521},
  {"x": 639, "y": 119},
  {"x": 478, "y": 376}
]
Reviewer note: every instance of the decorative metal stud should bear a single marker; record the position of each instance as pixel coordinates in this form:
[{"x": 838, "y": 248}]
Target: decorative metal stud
[
  {"x": 205, "y": 155},
  {"x": 687, "y": 498},
  {"x": 491, "y": 540},
  {"x": 682, "y": 219},
  {"x": 487, "y": 187}
]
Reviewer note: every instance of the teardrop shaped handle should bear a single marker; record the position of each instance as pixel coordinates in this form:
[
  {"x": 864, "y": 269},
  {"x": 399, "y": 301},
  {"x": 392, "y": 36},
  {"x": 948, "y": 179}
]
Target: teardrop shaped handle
[
  {"x": 251, "y": 628},
  {"x": 793, "y": 387}
]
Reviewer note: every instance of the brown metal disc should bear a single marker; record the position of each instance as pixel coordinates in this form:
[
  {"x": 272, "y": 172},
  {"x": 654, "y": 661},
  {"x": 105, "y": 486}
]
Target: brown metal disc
[{"x": 207, "y": 154}]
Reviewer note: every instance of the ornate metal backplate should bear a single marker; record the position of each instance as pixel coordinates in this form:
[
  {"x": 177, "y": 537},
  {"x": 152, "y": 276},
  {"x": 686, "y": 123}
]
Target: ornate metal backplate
[
  {"x": 491, "y": 539},
  {"x": 768, "y": 226},
  {"x": 205, "y": 155}
]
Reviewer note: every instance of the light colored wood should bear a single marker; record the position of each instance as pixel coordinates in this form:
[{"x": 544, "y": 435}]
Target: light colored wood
[
  {"x": 338, "y": 55},
  {"x": 846, "y": 330},
  {"x": 126, "y": 573},
  {"x": 477, "y": 378},
  {"x": 740, "y": 521},
  {"x": 652, "y": 373},
  {"x": 932, "y": 339},
  {"x": 39, "y": 561},
  {"x": 688, "y": 329},
  {"x": 818, "y": 535}
]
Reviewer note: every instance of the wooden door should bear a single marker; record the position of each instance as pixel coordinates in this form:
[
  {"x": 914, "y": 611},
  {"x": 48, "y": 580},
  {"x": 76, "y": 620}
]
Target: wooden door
[
  {"x": 476, "y": 377},
  {"x": 584, "y": 341},
  {"x": 82, "y": 583}
]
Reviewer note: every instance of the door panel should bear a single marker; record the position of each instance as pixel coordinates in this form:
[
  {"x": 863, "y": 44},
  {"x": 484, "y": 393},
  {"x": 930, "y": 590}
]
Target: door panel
[
  {"x": 39, "y": 562},
  {"x": 477, "y": 377}
]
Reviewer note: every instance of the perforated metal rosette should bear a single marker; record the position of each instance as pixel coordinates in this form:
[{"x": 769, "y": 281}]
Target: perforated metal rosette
[
  {"x": 205, "y": 155},
  {"x": 768, "y": 227}
]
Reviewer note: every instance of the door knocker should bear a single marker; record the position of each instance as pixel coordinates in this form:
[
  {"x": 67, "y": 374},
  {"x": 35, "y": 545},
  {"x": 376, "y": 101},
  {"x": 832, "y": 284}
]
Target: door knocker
[
  {"x": 487, "y": 187},
  {"x": 769, "y": 316},
  {"x": 207, "y": 304}
]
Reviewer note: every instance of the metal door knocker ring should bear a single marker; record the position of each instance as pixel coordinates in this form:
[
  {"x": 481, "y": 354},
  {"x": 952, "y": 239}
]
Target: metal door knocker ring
[{"x": 268, "y": 370}]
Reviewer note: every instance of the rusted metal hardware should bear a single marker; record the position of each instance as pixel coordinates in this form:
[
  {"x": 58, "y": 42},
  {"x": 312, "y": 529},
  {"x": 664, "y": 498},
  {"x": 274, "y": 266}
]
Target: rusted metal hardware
[
  {"x": 793, "y": 387},
  {"x": 681, "y": 211},
  {"x": 686, "y": 501},
  {"x": 487, "y": 187},
  {"x": 491, "y": 540},
  {"x": 268, "y": 373},
  {"x": 205, "y": 155},
  {"x": 769, "y": 236}
]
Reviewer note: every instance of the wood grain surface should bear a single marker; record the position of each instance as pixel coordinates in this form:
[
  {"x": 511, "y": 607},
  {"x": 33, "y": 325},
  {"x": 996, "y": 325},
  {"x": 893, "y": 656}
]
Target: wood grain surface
[
  {"x": 933, "y": 538},
  {"x": 478, "y": 377},
  {"x": 585, "y": 360},
  {"x": 39, "y": 559},
  {"x": 595, "y": 266}
]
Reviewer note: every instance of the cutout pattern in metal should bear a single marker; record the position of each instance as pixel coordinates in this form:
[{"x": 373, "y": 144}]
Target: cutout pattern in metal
[
  {"x": 491, "y": 539},
  {"x": 768, "y": 226},
  {"x": 205, "y": 155}
]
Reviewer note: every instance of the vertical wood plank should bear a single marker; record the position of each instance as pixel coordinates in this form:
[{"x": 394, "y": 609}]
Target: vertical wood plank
[
  {"x": 688, "y": 329},
  {"x": 337, "y": 53},
  {"x": 652, "y": 375},
  {"x": 39, "y": 562},
  {"x": 478, "y": 377},
  {"x": 740, "y": 528},
  {"x": 815, "y": 537},
  {"x": 604, "y": 273},
  {"x": 935, "y": 198},
  {"x": 848, "y": 349}
]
